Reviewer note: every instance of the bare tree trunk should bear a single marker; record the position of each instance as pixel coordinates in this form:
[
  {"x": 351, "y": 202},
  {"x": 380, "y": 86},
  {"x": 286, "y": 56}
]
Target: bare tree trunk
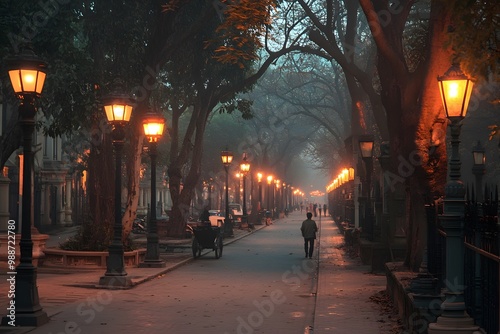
[
  {"x": 101, "y": 196},
  {"x": 132, "y": 173},
  {"x": 181, "y": 201}
]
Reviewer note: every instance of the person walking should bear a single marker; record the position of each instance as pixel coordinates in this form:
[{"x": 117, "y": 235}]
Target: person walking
[
  {"x": 309, "y": 229},
  {"x": 324, "y": 210}
]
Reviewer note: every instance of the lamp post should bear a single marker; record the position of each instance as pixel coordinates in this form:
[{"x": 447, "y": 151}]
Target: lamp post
[
  {"x": 153, "y": 124},
  {"x": 455, "y": 88},
  {"x": 269, "y": 181},
  {"x": 479, "y": 168},
  {"x": 118, "y": 108},
  {"x": 210, "y": 185},
  {"x": 244, "y": 168},
  {"x": 227, "y": 158},
  {"x": 259, "y": 180},
  {"x": 27, "y": 75},
  {"x": 366, "y": 149},
  {"x": 237, "y": 188},
  {"x": 277, "y": 198}
]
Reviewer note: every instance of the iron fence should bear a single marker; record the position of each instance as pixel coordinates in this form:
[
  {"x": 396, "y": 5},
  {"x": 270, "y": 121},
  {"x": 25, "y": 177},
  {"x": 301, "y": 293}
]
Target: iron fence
[
  {"x": 481, "y": 261},
  {"x": 481, "y": 256}
]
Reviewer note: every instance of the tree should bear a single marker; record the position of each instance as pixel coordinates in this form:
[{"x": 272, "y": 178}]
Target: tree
[
  {"x": 209, "y": 83},
  {"x": 474, "y": 37},
  {"x": 400, "y": 91},
  {"x": 316, "y": 90}
]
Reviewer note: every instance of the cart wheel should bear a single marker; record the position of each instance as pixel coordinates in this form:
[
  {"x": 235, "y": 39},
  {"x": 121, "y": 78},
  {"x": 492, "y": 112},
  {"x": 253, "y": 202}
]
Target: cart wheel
[
  {"x": 218, "y": 250},
  {"x": 195, "y": 248}
]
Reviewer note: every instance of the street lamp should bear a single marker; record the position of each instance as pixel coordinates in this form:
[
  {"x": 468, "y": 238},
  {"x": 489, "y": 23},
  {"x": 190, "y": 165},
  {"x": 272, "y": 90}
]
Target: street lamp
[
  {"x": 244, "y": 168},
  {"x": 366, "y": 149},
  {"x": 153, "y": 124},
  {"x": 479, "y": 168},
  {"x": 210, "y": 185},
  {"x": 227, "y": 158},
  {"x": 27, "y": 75},
  {"x": 237, "y": 188},
  {"x": 259, "y": 180},
  {"x": 269, "y": 181},
  {"x": 455, "y": 88},
  {"x": 118, "y": 108},
  {"x": 276, "y": 198}
]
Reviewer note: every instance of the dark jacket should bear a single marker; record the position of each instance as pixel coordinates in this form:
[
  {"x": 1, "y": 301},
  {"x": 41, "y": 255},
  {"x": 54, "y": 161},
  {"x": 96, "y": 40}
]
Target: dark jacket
[
  {"x": 205, "y": 216},
  {"x": 309, "y": 229}
]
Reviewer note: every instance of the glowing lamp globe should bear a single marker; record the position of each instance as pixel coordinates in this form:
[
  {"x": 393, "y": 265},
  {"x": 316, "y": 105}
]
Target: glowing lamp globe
[
  {"x": 455, "y": 88},
  {"x": 27, "y": 73},
  {"x": 154, "y": 125},
  {"x": 227, "y": 157}
]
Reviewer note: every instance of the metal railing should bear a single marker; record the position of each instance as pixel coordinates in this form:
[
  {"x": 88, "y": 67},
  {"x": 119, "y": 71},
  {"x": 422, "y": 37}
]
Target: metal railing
[{"x": 481, "y": 257}]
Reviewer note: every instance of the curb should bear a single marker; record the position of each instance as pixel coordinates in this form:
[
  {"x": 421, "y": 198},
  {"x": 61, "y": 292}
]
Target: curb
[{"x": 166, "y": 270}]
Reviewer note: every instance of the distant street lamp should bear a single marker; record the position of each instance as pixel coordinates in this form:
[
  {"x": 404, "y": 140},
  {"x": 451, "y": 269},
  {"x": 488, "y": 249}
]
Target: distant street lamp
[
  {"x": 366, "y": 149},
  {"x": 244, "y": 168},
  {"x": 210, "y": 185},
  {"x": 227, "y": 158},
  {"x": 259, "y": 180},
  {"x": 456, "y": 89},
  {"x": 153, "y": 124},
  {"x": 118, "y": 108},
  {"x": 479, "y": 169},
  {"x": 276, "y": 198},
  {"x": 237, "y": 188},
  {"x": 269, "y": 181},
  {"x": 27, "y": 75}
]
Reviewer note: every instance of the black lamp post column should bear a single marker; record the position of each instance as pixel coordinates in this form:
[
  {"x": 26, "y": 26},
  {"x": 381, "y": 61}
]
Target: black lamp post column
[
  {"x": 260, "y": 193},
  {"x": 455, "y": 92},
  {"x": 244, "y": 168},
  {"x": 227, "y": 158},
  {"x": 210, "y": 193},
  {"x": 27, "y": 75},
  {"x": 227, "y": 194},
  {"x": 228, "y": 225},
  {"x": 115, "y": 274},
  {"x": 479, "y": 169},
  {"x": 152, "y": 259},
  {"x": 368, "y": 206},
  {"x": 454, "y": 314},
  {"x": 268, "y": 197},
  {"x": 366, "y": 150},
  {"x": 244, "y": 196},
  {"x": 28, "y": 311}
]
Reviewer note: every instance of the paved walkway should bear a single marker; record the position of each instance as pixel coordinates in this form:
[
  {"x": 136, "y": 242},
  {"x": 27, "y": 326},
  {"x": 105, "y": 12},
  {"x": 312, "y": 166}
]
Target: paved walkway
[
  {"x": 345, "y": 286},
  {"x": 342, "y": 299}
]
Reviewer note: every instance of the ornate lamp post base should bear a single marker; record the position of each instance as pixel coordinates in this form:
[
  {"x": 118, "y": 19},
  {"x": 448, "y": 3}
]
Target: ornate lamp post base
[
  {"x": 115, "y": 281},
  {"x": 115, "y": 275},
  {"x": 152, "y": 264},
  {"x": 27, "y": 311},
  {"x": 152, "y": 259},
  {"x": 445, "y": 325}
]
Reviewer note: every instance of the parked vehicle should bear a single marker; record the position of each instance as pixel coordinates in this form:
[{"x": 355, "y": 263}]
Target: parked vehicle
[
  {"x": 216, "y": 218},
  {"x": 236, "y": 211},
  {"x": 139, "y": 226}
]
